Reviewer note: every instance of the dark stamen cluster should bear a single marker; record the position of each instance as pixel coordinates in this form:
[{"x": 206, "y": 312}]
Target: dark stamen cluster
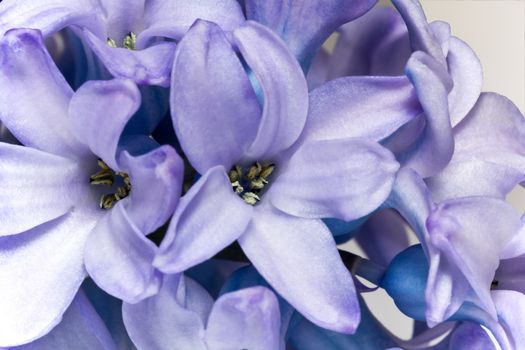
[
  {"x": 106, "y": 177},
  {"x": 248, "y": 185}
]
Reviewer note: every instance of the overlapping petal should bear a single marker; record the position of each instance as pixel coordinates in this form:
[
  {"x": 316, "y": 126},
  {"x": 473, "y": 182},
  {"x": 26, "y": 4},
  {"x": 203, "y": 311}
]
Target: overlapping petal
[
  {"x": 122, "y": 17},
  {"x": 282, "y": 246},
  {"x": 190, "y": 239},
  {"x": 27, "y": 70},
  {"x": 305, "y": 25},
  {"x": 41, "y": 271},
  {"x": 214, "y": 109},
  {"x": 284, "y": 90},
  {"x": 344, "y": 179}
]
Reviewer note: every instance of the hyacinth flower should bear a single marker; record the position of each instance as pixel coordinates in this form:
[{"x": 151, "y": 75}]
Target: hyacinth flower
[
  {"x": 127, "y": 36},
  {"x": 260, "y": 183},
  {"x": 73, "y": 191},
  {"x": 184, "y": 316},
  {"x": 405, "y": 281}
]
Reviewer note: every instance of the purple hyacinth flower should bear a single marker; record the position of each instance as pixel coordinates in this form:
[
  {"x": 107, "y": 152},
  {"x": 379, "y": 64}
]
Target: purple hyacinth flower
[
  {"x": 123, "y": 34},
  {"x": 184, "y": 316},
  {"x": 240, "y": 149},
  {"x": 54, "y": 187}
]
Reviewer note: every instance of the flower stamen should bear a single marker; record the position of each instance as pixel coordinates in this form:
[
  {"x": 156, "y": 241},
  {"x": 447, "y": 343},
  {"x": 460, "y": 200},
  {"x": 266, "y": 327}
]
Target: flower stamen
[
  {"x": 250, "y": 184},
  {"x": 106, "y": 177},
  {"x": 129, "y": 42}
]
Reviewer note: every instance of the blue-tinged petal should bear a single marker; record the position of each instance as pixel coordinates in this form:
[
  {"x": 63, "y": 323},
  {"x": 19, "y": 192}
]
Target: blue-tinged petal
[
  {"x": 99, "y": 111},
  {"x": 489, "y": 154},
  {"x": 38, "y": 187},
  {"x": 172, "y": 19},
  {"x": 27, "y": 73},
  {"x": 421, "y": 36},
  {"x": 466, "y": 73},
  {"x": 370, "y": 107},
  {"x": 383, "y": 236},
  {"x": 283, "y": 85},
  {"x": 213, "y": 105},
  {"x": 50, "y": 16},
  {"x": 435, "y": 143},
  {"x": 464, "y": 254},
  {"x": 510, "y": 306},
  {"x": 150, "y": 66},
  {"x": 119, "y": 257},
  {"x": 156, "y": 179},
  {"x": 210, "y": 216},
  {"x": 80, "y": 328},
  {"x": 41, "y": 271},
  {"x": 470, "y": 336},
  {"x": 245, "y": 319},
  {"x": 370, "y": 335},
  {"x": 305, "y": 24},
  {"x": 153, "y": 110},
  {"x": 122, "y": 17},
  {"x": 298, "y": 257},
  {"x": 172, "y": 319},
  {"x": 318, "y": 183}
]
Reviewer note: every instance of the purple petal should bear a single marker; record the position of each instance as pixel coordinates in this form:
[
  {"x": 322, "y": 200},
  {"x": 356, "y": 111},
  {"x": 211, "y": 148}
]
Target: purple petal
[
  {"x": 383, "y": 236},
  {"x": 209, "y": 217},
  {"x": 27, "y": 70},
  {"x": 122, "y": 17},
  {"x": 470, "y": 336},
  {"x": 371, "y": 107},
  {"x": 442, "y": 35},
  {"x": 173, "y": 18},
  {"x": 436, "y": 144},
  {"x": 37, "y": 187},
  {"x": 421, "y": 36},
  {"x": 319, "y": 183},
  {"x": 283, "y": 86},
  {"x": 299, "y": 258},
  {"x": 464, "y": 255},
  {"x": 208, "y": 77},
  {"x": 49, "y": 16},
  {"x": 172, "y": 319},
  {"x": 99, "y": 111},
  {"x": 245, "y": 319},
  {"x": 81, "y": 329},
  {"x": 119, "y": 257},
  {"x": 156, "y": 179},
  {"x": 374, "y": 44},
  {"x": 489, "y": 154},
  {"x": 305, "y": 24},
  {"x": 511, "y": 307},
  {"x": 43, "y": 270},
  {"x": 466, "y": 73},
  {"x": 151, "y": 66}
]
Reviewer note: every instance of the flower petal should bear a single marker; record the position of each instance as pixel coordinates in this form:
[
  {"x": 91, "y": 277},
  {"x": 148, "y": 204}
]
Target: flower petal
[
  {"x": 49, "y": 16},
  {"x": 305, "y": 24},
  {"x": 246, "y": 319},
  {"x": 151, "y": 66},
  {"x": 319, "y": 183},
  {"x": 37, "y": 187},
  {"x": 119, "y": 257},
  {"x": 27, "y": 70},
  {"x": 171, "y": 319},
  {"x": 342, "y": 108},
  {"x": 208, "y": 77},
  {"x": 99, "y": 125},
  {"x": 511, "y": 306},
  {"x": 435, "y": 145},
  {"x": 470, "y": 336},
  {"x": 283, "y": 85},
  {"x": 156, "y": 178},
  {"x": 489, "y": 154},
  {"x": 173, "y": 18},
  {"x": 464, "y": 255},
  {"x": 299, "y": 258},
  {"x": 43, "y": 270},
  {"x": 210, "y": 216},
  {"x": 122, "y": 17},
  {"x": 80, "y": 328},
  {"x": 466, "y": 73}
]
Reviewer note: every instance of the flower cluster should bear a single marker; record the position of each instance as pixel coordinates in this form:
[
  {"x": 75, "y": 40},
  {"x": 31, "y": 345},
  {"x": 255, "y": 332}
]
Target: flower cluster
[{"x": 177, "y": 174}]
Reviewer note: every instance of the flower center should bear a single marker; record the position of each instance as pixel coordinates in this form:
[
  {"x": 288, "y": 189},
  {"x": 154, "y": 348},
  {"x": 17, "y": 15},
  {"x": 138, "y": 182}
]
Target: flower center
[
  {"x": 129, "y": 41},
  {"x": 249, "y": 184},
  {"x": 107, "y": 177}
]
